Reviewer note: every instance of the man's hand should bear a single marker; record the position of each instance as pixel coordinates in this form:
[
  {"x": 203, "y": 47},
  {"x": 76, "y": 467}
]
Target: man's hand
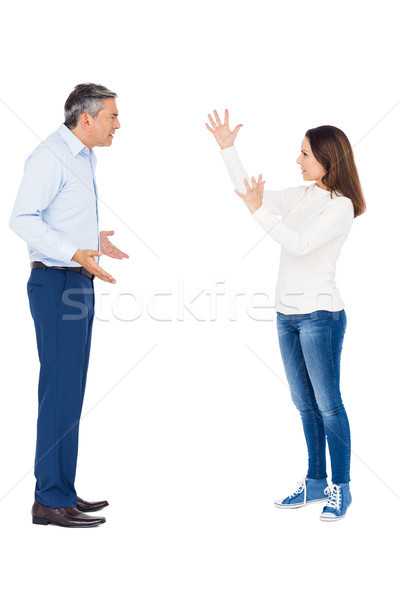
[
  {"x": 85, "y": 258},
  {"x": 224, "y": 136},
  {"x": 108, "y": 248},
  {"x": 254, "y": 194}
]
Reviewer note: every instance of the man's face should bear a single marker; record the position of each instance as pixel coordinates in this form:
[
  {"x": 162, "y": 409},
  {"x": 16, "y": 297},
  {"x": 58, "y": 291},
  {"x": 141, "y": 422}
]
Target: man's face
[{"x": 104, "y": 125}]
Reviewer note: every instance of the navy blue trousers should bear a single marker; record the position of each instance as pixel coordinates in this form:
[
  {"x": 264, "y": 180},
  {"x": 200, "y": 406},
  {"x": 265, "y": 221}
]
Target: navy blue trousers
[{"x": 62, "y": 308}]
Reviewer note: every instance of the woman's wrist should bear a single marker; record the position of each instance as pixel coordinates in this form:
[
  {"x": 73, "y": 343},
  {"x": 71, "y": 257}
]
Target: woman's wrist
[{"x": 254, "y": 206}]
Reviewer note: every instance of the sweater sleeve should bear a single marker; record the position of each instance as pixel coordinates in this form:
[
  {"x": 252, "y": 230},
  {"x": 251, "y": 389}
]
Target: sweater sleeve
[
  {"x": 273, "y": 200},
  {"x": 335, "y": 218},
  {"x": 40, "y": 184}
]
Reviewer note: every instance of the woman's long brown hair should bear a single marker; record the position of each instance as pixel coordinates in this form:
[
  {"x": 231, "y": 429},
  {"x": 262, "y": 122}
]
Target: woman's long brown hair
[{"x": 333, "y": 151}]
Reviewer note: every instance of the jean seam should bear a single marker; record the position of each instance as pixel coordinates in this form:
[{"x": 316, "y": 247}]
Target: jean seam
[
  {"x": 314, "y": 416},
  {"x": 341, "y": 406},
  {"x": 344, "y": 427}
]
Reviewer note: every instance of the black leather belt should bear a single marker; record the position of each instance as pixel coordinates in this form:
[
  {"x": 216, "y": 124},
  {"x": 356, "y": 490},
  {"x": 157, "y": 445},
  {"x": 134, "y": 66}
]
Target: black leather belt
[{"x": 39, "y": 265}]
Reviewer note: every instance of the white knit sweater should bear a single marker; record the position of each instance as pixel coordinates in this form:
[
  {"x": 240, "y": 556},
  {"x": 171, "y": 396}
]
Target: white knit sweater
[{"x": 311, "y": 228}]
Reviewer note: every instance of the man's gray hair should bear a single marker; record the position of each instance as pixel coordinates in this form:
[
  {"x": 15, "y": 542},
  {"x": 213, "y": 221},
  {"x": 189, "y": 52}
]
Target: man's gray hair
[{"x": 85, "y": 98}]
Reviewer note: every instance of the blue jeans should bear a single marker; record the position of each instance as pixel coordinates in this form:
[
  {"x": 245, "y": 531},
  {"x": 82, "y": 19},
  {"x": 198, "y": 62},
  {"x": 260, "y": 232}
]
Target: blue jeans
[
  {"x": 62, "y": 308},
  {"x": 311, "y": 346}
]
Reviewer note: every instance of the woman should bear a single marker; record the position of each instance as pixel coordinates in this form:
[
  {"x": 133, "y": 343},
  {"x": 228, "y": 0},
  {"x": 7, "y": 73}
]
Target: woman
[{"x": 311, "y": 223}]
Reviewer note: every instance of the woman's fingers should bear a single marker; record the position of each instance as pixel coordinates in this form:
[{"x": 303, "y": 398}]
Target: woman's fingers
[
  {"x": 216, "y": 123},
  {"x": 212, "y": 121},
  {"x": 257, "y": 186},
  {"x": 254, "y": 184},
  {"x": 226, "y": 119},
  {"x": 217, "y": 118}
]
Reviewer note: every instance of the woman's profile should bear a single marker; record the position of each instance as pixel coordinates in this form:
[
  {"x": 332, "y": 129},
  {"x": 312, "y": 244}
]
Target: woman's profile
[{"x": 311, "y": 223}]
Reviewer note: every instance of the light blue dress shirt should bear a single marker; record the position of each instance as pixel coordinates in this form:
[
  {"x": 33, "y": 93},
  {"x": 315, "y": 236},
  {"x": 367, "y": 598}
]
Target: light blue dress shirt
[{"x": 56, "y": 209}]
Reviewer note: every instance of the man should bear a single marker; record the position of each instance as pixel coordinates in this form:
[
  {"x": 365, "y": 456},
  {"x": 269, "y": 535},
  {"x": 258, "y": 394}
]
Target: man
[{"x": 56, "y": 213}]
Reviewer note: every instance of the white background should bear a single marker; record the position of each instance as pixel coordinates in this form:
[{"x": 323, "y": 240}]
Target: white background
[{"x": 188, "y": 428}]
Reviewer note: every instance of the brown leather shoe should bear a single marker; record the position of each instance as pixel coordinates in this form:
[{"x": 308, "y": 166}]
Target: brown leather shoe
[
  {"x": 65, "y": 517},
  {"x": 90, "y": 506}
]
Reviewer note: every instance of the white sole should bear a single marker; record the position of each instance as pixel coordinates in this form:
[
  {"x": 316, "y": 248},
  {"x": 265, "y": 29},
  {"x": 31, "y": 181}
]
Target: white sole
[
  {"x": 299, "y": 505},
  {"x": 326, "y": 519}
]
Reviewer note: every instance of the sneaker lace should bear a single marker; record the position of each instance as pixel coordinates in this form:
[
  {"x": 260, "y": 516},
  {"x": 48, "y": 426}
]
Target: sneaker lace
[
  {"x": 335, "y": 498},
  {"x": 301, "y": 485}
]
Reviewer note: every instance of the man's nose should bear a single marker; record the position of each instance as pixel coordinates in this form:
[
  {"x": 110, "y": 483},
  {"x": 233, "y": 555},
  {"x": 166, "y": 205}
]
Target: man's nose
[{"x": 117, "y": 124}]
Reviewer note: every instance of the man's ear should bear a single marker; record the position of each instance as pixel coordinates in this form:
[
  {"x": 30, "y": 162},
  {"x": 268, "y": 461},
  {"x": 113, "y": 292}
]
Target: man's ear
[{"x": 85, "y": 121}]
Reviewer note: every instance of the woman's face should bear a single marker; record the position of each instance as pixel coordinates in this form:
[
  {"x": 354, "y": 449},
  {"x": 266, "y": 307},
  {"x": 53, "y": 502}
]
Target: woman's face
[{"x": 311, "y": 169}]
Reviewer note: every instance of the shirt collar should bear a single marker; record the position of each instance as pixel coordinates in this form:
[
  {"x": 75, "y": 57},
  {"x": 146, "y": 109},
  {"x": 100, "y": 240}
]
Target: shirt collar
[
  {"x": 317, "y": 191},
  {"x": 313, "y": 193},
  {"x": 73, "y": 142}
]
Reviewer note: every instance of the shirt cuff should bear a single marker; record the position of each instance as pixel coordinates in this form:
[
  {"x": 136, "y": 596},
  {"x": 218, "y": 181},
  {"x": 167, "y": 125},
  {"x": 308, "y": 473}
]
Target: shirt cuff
[
  {"x": 229, "y": 153},
  {"x": 265, "y": 217},
  {"x": 67, "y": 251}
]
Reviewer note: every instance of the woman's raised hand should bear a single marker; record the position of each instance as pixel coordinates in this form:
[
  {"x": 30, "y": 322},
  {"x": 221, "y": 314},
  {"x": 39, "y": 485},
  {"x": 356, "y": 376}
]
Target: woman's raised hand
[
  {"x": 224, "y": 136},
  {"x": 254, "y": 194}
]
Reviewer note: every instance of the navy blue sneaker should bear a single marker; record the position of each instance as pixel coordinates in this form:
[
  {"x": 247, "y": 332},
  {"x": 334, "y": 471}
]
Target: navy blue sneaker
[
  {"x": 309, "y": 491},
  {"x": 338, "y": 502}
]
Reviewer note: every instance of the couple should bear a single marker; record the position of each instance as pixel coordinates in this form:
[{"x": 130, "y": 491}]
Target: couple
[{"x": 56, "y": 213}]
